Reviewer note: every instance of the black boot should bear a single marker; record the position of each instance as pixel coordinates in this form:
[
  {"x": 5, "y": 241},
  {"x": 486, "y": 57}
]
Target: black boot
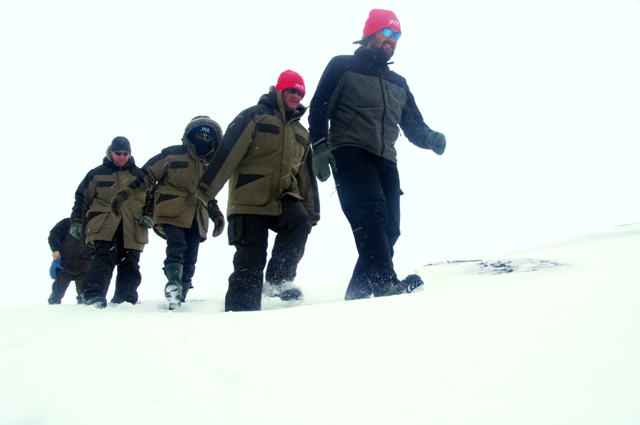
[
  {"x": 173, "y": 288},
  {"x": 54, "y": 299},
  {"x": 407, "y": 285},
  {"x": 97, "y": 302},
  {"x": 185, "y": 288},
  {"x": 286, "y": 291}
]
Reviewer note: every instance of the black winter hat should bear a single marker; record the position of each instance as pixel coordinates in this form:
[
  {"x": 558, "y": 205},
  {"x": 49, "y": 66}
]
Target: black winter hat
[{"x": 120, "y": 144}]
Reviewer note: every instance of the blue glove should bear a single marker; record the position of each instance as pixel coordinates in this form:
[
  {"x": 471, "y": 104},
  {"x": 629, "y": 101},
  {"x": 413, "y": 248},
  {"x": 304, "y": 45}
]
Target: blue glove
[
  {"x": 55, "y": 266},
  {"x": 146, "y": 221}
]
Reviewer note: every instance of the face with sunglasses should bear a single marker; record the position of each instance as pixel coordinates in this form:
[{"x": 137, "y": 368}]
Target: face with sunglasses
[
  {"x": 120, "y": 157},
  {"x": 291, "y": 98},
  {"x": 386, "y": 40}
]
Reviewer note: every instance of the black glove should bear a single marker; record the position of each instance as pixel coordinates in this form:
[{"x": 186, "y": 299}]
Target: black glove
[
  {"x": 76, "y": 230},
  {"x": 218, "y": 224},
  {"x": 146, "y": 221},
  {"x": 323, "y": 161},
  {"x": 436, "y": 142},
  {"x": 216, "y": 216},
  {"x": 118, "y": 200}
]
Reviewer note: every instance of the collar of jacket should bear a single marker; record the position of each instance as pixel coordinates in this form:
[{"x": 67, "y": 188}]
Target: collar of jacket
[
  {"x": 192, "y": 149},
  {"x": 274, "y": 101},
  {"x": 373, "y": 56},
  {"x": 109, "y": 163}
]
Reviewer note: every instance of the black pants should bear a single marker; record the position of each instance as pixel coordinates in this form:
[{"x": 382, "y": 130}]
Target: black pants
[
  {"x": 250, "y": 235},
  {"x": 182, "y": 248},
  {"x": 109, "y": 255},
  {"x": 61, "y": 283},
  {"x": 369, "y": 191}
]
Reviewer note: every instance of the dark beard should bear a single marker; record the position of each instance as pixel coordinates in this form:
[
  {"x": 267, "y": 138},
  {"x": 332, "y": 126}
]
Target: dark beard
[{"x": 381, "y": 55}]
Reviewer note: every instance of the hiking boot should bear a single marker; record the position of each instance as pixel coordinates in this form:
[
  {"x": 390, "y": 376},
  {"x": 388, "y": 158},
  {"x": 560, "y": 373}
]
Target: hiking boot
[
  {"x": 97, "y": 302},
  {"x": 285, "y": 291},
  {"x": 119, "y": 299},
  {"x": 405, "y": 286},
  {"x": 290, "y": 294},
  {"x": 53, "y": 300}
]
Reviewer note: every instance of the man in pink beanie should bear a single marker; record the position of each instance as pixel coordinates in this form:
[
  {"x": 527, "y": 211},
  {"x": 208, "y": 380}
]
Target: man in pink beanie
[
  {"x": 265, "y": 155},
  {"x": 367, "y": 105}
]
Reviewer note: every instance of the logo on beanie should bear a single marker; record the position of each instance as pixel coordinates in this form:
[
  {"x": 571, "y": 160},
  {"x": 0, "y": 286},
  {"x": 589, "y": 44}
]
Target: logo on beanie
[
  {"x": 394, "y": 22},
  {"x": 298, "y": 86},
  {"x": 205, "y": 130}
]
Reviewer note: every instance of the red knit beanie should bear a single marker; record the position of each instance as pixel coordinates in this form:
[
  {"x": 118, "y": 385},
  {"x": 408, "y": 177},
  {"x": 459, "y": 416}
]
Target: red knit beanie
[
  {"x": 290, "y": 80},
  {"x": 380, "y": 19}
]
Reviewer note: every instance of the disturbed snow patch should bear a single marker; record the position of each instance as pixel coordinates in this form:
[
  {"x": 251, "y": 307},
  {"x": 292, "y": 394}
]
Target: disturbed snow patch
[{"x": 498, "y": 266}]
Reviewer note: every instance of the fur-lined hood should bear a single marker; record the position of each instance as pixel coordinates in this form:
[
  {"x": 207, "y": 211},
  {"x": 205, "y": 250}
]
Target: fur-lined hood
[{"x": 203, "y": 120}]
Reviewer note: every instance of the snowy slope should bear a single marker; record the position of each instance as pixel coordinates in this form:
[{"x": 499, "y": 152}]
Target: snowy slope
[{"x": 546, "y": 335}]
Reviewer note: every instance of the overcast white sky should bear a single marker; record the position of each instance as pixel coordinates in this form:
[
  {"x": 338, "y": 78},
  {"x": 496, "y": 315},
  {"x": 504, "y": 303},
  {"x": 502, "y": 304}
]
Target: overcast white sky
[{"x": 538, "y": 100}]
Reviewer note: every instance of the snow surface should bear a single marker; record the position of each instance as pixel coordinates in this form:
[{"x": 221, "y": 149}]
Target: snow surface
[{"x": 545, "y": 335}]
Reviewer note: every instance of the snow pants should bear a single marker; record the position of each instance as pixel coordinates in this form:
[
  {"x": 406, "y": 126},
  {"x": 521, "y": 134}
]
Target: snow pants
[
  {"x": 369, "y": 191},
  {"x": 109, "y": 255},
  {"x": 249, "y": 233},
  {"x": 182, "y": 248},
  {"x": 61, "y": 283}
]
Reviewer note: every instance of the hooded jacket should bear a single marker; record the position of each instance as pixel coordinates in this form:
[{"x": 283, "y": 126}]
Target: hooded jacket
[
  {"x": 365, "y": 102},
  {"x": 264, "y": 156},
  {"x": 175, "y": 173},
  {"x": 75, "y": 254},
  {"x": 93, "y": 201}
]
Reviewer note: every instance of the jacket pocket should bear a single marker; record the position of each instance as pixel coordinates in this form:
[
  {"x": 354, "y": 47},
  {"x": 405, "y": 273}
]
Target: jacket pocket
[
  {"x": 95, "y": 222},
  {"x": 267, "y": 137},
  {"x": 253, "y": 186},
  {"x": 141, "y": 234},
  {"x": 168, "y": 205}
]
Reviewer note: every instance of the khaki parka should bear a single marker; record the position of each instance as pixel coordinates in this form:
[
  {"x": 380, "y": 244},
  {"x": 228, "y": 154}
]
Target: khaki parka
[
  {"x": 93, "y": 204},
  {"x": 264, "y": 156},
  {"x": 175, "y": 173}
]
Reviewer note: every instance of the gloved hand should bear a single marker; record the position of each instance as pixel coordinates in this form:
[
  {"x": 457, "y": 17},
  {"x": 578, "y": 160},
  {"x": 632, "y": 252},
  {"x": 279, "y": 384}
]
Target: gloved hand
[
  {"x": 118, "y": 200},
  {"x": 146, "y": 221},
  {"x": 56, "y": 265},
  {"x": 323, "y": 161},
  {"x": 436, "y": 142},
  {"x": 218, "y": 224},
  {"x": 216, "y": 216},
  {"x": 76, "y": 230}
]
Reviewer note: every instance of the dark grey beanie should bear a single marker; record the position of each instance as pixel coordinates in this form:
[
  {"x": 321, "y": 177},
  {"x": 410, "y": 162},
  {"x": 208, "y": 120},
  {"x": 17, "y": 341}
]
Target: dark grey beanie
[{"x": 120, "y": 144}]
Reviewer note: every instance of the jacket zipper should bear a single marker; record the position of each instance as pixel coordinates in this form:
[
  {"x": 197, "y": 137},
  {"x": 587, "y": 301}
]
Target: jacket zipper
[{"x": 384, "y": 111}]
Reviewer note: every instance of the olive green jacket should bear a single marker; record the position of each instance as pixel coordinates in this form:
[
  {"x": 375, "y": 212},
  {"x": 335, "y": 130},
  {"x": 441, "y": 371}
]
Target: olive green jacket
[
  {"x": 93, "y": 203},
  {"x": 175, "y": 173},
  {"x": 264, "y": 156}
]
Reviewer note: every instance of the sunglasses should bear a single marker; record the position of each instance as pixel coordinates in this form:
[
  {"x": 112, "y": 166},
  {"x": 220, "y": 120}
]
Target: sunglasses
[
  {"x": 389, "y": 32},
  {"x": 294, "y": 91},
  {"x": 125, "y": 153},
  {"x": 204, "y": 136}
]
